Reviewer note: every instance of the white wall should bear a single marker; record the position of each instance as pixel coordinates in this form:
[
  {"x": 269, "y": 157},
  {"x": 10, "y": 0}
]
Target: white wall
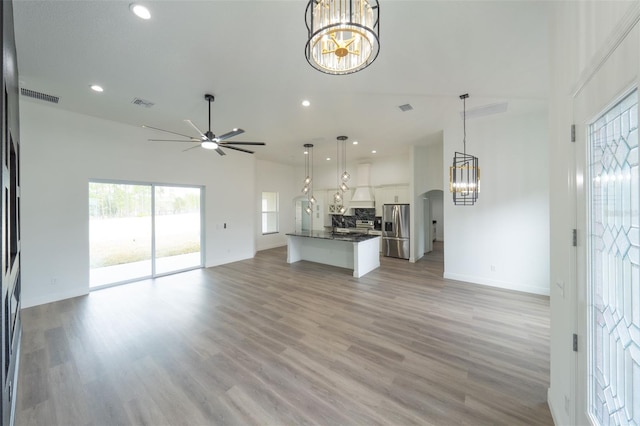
[
  {"x": 503, "y": 240},
  {"x": 583, "y": 34},
  {"x": 61, "y": 151},
  {"x": 384, "y": 171},
  {"x": 280, "y": 178}
]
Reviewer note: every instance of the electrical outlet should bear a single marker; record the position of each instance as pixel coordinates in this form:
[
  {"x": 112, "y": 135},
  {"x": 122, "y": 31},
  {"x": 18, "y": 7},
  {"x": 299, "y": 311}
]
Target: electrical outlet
[
  {"x": 493, "y": 268},
  {"x": 567, "y": 404},
  {"x": 54, "y": 281}
]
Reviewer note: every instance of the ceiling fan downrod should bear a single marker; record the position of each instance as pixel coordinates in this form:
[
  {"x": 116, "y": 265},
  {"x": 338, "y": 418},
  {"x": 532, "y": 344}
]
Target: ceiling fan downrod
[{"x": 209, "y": 98}]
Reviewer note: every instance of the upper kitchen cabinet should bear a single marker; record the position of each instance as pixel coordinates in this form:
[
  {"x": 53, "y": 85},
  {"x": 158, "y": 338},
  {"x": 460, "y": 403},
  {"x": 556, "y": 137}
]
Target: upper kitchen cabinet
[{"x": 391, "y": 194}]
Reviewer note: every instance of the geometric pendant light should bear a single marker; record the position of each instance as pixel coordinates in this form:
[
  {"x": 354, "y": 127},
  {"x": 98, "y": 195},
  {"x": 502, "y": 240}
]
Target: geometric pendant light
[
  {"x": 343, "y": 35},
  {"x": 464, "y": 174}
]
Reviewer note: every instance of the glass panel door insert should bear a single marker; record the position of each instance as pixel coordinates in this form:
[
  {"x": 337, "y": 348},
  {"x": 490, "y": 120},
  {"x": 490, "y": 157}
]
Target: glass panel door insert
[{"x": 614, "y": 265}]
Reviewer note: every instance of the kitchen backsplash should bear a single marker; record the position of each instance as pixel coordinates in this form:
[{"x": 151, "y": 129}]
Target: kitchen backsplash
[
  {"x": 342, "y": 221},
  {"x": 364, "y": 214}
]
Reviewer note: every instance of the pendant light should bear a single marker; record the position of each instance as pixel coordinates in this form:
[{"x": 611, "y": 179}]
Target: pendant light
[
  {"x": 344, "y": 176},
  {"x": 307, "y": 189},
  {"x": 343, "y": 35},
  {"x": 464, "y": 174}
]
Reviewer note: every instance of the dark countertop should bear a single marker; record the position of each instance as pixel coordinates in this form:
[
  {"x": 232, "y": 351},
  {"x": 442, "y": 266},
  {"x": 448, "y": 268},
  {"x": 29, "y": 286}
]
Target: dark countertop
[{"x": 351, "y": 238}]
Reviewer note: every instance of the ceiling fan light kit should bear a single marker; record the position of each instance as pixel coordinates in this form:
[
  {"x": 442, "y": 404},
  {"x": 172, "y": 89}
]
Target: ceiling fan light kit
[
  {"x": 208, "y": 140},
  {"x": 464, "y": 174},
  {"x": 343, "y": 35}
]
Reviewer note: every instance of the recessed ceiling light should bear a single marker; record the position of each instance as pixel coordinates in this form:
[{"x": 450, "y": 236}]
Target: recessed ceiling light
[
  {"x": 328, "y": 158},
  {"x": 140, "y": 11},
  {"x": 374, "y": 151},
  {"x": 306, "y": 103},
  {"x": 97, "y": 88},
  {"x": 355, "y": 142}
]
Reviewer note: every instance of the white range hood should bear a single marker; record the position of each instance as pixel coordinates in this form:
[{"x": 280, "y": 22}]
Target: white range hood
[{"x": 363, "y": 196}]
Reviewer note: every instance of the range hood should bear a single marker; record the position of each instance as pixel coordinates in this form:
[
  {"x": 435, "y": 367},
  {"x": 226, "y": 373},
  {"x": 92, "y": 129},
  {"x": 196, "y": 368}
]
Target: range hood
[{"x": 363, "y": 195}]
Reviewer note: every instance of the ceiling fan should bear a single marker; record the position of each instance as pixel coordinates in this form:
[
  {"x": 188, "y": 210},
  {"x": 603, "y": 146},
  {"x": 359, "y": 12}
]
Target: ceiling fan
[{"x": 208, "y": 140}]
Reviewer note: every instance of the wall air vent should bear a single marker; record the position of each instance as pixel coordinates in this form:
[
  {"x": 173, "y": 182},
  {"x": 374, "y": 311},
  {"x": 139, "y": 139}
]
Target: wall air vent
[
  {"x": 39, "y": 96},
  {"x": 142, "y": 102},
  {"x": 406, "y": 107}
]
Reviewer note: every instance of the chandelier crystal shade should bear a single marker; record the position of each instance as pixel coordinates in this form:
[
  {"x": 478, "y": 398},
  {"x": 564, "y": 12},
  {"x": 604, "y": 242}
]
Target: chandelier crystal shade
[
  {"x": 343, "y": 35},
  {"x": 464, "y": 174}
]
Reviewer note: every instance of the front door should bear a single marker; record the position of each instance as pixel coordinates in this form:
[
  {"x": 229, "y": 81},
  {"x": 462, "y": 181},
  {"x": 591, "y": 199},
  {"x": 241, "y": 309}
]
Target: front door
[{"x": 607, "y": 374}]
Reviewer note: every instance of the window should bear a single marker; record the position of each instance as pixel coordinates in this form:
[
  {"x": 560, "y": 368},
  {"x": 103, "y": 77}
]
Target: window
[{"x": 269, "y": 213}]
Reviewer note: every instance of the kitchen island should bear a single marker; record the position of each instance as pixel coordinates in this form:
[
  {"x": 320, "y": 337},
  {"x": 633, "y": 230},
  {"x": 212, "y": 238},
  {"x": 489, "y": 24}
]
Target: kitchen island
[{"x": 359, "y": 252}]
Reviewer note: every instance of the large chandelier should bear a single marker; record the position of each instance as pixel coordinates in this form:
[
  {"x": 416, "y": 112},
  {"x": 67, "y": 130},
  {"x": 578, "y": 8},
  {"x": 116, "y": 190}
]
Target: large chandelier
[
  {"x": 344, "y": 35},
  {"x": 464, "y": 174}
]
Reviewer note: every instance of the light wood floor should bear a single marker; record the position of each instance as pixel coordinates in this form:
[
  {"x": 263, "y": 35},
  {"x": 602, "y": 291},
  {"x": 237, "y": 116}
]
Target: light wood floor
[{"x": 263, "y": 342}]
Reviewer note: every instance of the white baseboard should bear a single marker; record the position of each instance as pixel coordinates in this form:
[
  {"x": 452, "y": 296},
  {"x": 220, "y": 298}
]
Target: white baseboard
[
  {"x": 53, "y": 297},
  {"x": 272, "y": 246},
  {"x": 500, "y": 284},
  {"x": 551, "y": 408}
]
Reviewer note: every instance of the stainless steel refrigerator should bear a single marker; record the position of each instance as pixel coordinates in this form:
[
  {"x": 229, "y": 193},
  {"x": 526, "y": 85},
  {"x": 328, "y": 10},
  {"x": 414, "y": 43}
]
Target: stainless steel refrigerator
[{"x": 395, "y": 230}]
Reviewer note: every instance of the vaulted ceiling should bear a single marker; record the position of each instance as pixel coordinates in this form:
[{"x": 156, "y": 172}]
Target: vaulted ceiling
[{"x": 250, "y": 55}]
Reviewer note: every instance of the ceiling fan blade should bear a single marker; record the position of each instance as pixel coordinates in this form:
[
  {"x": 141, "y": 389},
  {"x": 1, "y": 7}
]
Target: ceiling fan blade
[
  {"x": 242, "y": 143},
  {"x": 238, "y": 149},
  {"x": 175, "y": 140},
  {"x": 193, "y": 147},
  {"x": 168, "y": 131},
  {"x": 230, "y": 134},
  {"x": 198, "y": 130},
  {"x": 221, "y": 152}
]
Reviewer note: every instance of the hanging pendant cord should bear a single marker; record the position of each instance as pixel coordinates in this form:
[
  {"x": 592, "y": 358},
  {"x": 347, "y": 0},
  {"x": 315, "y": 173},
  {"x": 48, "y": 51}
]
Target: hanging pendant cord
[
  {"x": 310, "y": 158},
  {"x": 464, "y": 124},
  {"x": 338, "y": 168}
]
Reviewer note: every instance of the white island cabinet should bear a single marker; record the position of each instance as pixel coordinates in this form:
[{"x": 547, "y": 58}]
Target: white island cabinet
[{"x": 357, "y": 252}]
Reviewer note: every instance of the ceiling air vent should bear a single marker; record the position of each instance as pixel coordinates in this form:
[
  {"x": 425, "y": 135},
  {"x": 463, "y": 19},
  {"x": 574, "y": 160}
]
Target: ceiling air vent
[
  {"x": 39, "y": 96},
  {"x": 405, "y": 107},
  {"x": 142, "y": 102}
]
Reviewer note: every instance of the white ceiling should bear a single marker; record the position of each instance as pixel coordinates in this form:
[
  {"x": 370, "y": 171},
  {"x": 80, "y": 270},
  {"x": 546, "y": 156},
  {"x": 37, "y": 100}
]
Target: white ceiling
[{"x": 250, "y": 55}]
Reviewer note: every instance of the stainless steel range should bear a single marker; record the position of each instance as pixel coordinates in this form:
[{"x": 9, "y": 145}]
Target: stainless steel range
[{"x": 365, "y": 225}]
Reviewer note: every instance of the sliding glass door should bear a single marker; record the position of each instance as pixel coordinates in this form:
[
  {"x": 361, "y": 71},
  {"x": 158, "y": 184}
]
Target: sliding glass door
[
  {"x": 142, "y": 230},
  {"x": 177, "y": 228},
  {"x": 119, "y": 232}
]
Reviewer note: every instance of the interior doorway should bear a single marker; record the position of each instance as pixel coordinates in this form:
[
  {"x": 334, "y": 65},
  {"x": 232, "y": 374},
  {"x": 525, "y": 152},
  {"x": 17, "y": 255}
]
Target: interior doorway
[
  {"x": 433, "y": 235},
  {"x": 436, "y": 201}
]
